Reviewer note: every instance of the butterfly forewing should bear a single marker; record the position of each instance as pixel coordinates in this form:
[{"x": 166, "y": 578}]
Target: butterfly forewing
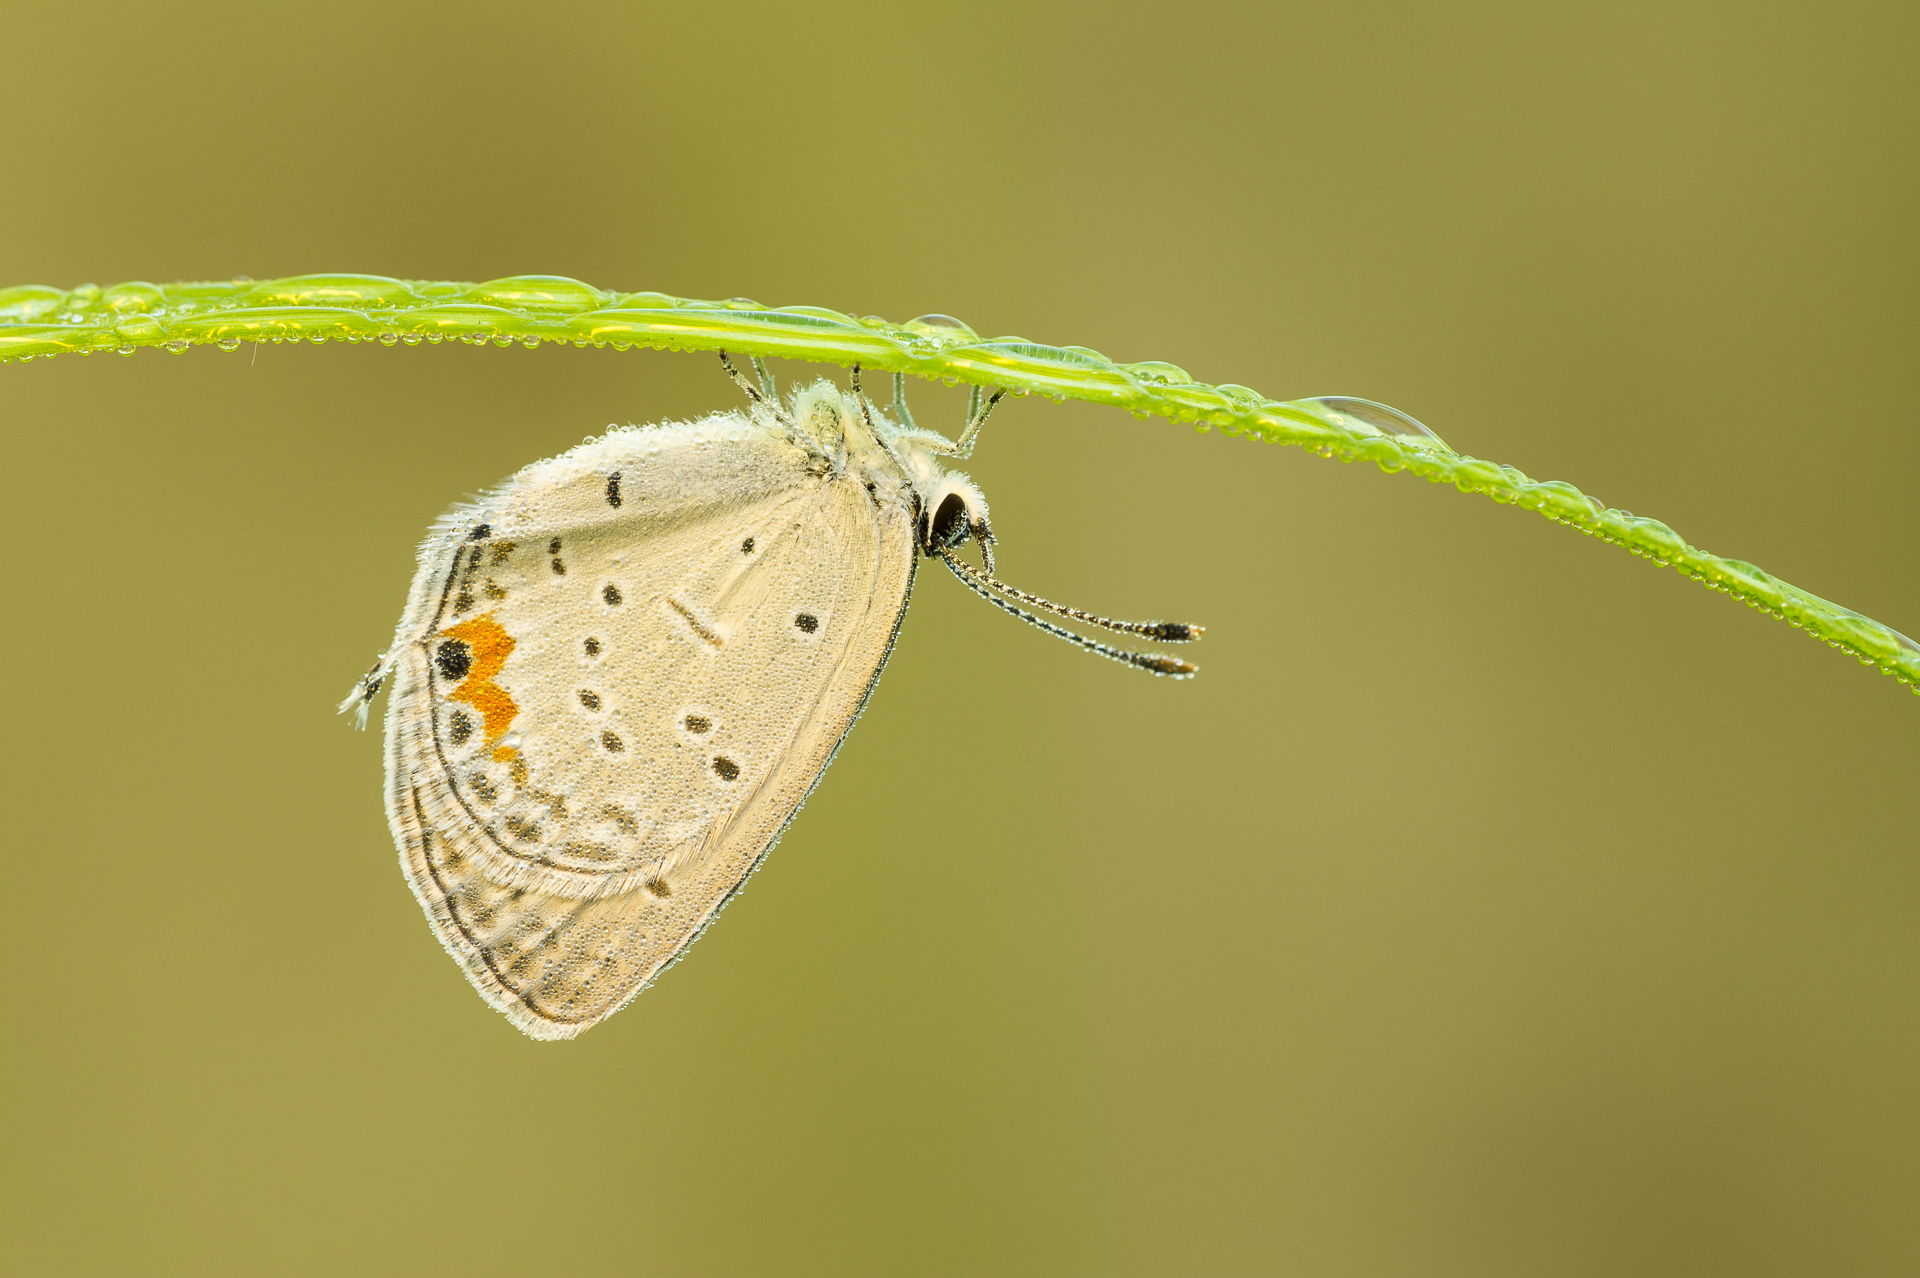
[{"x": 610, "y": 697}]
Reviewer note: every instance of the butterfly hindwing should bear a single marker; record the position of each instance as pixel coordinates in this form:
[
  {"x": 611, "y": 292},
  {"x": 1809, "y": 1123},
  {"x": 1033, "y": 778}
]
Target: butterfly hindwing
[{"x": 613, "y": 690}]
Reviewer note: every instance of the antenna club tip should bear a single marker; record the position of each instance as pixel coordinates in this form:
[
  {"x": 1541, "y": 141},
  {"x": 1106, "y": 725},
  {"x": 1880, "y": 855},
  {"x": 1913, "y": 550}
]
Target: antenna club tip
[
  {"x": 1169, "y": 666},
  {"x": 1175, "y": 631}
]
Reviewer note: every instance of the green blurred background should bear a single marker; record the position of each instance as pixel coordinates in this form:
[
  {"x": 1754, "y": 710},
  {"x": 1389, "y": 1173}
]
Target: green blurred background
[{"x": 1493, "y": 904}]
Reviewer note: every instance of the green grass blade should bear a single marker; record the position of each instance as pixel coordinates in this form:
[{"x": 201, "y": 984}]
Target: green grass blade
[{"x": 42, "y": 322}]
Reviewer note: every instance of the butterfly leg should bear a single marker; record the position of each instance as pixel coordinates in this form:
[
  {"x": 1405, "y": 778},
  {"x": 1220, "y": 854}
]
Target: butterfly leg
[
  {"x": 767, "y": 387},
  {"x": 978, "y": 410},
  {"x": 752, "y": 392},
  {"x": 901, "y": 417},
  {"x": 861, "y": 395}
]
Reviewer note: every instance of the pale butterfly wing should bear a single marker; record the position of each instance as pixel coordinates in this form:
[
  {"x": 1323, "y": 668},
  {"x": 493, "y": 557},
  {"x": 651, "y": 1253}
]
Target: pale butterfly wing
[{"x": 617, "y": 678}]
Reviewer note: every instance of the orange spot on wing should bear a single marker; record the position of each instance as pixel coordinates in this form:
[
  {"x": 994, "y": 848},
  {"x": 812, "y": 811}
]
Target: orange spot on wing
[{"x": 490, "y": 645}]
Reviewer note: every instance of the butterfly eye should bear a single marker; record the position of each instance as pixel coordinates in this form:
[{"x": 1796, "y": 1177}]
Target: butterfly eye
[{"x": 949, "y": 525}]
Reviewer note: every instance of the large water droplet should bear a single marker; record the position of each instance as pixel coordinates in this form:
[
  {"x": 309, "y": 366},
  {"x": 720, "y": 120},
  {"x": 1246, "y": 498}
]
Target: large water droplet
[
  {"x": 742, "y": 304},
  {"x": 228, "y": 343},
  {"x": 1154, "y": 372},
  {"x": 177, "y": 345},
  {"x": 549, "y": 293},
  {"x": 1905, "y": 642},
  {"x": 1372, "y": 418},
  {"x": 389, "y": 339},
  {"x": 946, "y": 323}
]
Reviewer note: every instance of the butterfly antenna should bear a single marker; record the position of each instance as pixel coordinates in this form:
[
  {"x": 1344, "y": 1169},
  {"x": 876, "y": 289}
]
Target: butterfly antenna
[
  {"x": 752, "y": 393},
  {"x": 1164, "y": 631},
  {"x": 1149, "y": 661}
]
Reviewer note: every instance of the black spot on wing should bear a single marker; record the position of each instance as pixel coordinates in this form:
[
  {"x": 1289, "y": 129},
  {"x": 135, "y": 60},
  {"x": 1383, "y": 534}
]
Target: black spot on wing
[{"x": 454, "y": 659}]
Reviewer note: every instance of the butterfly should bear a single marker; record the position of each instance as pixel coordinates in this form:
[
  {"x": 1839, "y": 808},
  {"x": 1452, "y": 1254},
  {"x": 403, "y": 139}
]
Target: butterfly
[{"x": 622, "y": 671}]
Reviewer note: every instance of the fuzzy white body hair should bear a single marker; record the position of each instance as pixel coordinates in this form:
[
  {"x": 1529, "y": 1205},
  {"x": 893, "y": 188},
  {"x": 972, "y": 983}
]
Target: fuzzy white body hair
[{"x": 833, "y": 420}]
